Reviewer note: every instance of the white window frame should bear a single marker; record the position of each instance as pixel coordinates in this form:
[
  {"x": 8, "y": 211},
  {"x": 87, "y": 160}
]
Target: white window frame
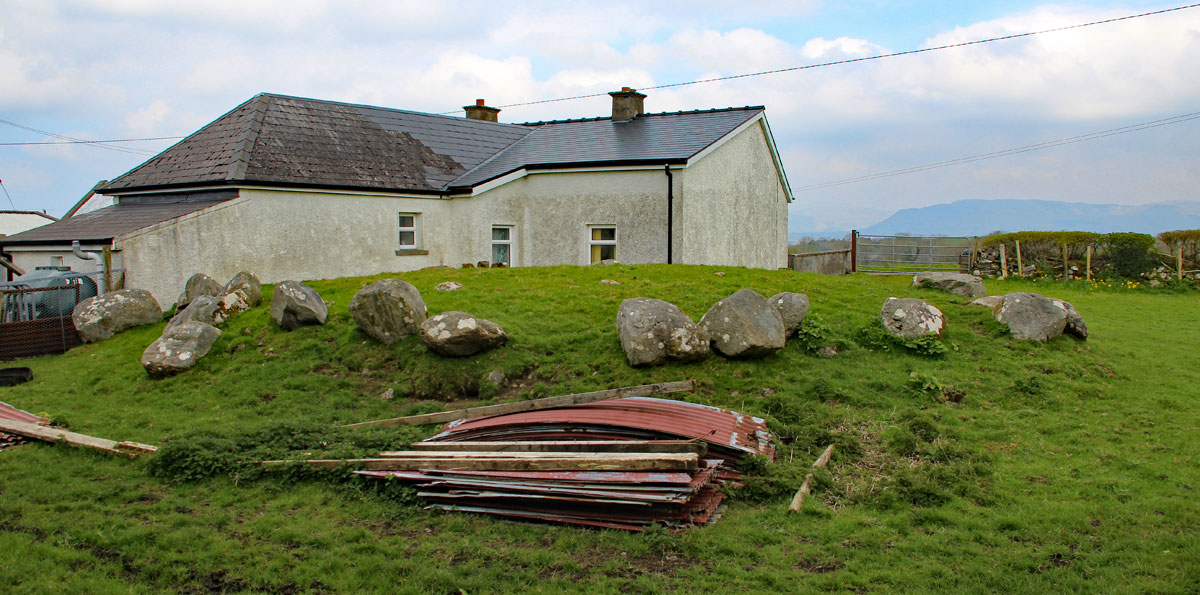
[
  {"x": 56, "y": 261},
  {"x": 590, "y": 243},
  {"x": 511, "y": 242},
  {"x": 415, "y": 228}
]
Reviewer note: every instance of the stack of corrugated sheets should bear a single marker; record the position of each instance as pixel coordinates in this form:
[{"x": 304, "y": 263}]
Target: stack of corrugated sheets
[
  {"x": 623, "y": 463},
  {"x": 13, "y": 414}
]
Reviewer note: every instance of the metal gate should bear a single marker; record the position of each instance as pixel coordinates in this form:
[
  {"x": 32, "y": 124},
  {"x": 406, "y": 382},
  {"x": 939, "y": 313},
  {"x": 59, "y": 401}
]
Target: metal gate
[{"x": 912, "y": 254}]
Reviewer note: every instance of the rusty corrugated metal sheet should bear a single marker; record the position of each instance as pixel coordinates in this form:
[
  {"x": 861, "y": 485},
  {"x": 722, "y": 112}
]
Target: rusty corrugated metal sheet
[{"x": 9, "y": 412}]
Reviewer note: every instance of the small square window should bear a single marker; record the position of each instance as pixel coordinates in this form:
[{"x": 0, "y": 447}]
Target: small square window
[
  {"x": 408, "y": 233},
  {"x": 602, "y": 244},
  {"x": 502, "y": 245}
]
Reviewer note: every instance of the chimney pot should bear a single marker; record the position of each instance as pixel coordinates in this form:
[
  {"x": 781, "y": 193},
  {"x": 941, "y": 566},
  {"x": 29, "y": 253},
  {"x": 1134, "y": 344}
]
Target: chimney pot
[
  {"x": 627, "y": 104},
  {"x": 480, "y": 111}
]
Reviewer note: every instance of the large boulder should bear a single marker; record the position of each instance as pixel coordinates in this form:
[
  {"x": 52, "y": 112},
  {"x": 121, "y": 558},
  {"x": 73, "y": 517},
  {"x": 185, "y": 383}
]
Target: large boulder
[
  {"x": 793, "y": 307},
  {"x": 1031, "y": 317},
  {"x": 388, "y": 310},
  {"x": 196, "y": 286},
  {"x": 296, "y": 304},
  {"x": 206, "y": 309},
  {"x": 744, "y": 325},
  {"x": 247, "y": 285},
  {"x": 98, "y": 318},
  {"x": 968, "y": 286},
  {"x": 178, "y": 348},
  {"x": 910, "y": 318},
  {"x": 1075, "y": 325},
  {"x": 654, "y": 331},
  {"x": 458, "y": 334}
]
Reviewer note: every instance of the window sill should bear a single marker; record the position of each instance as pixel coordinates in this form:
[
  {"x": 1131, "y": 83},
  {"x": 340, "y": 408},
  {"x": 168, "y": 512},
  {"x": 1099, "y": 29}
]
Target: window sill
[{"x": 411, "y": 252}]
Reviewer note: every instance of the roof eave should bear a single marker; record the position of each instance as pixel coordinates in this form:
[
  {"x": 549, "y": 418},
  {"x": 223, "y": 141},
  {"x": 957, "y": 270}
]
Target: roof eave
[
  {"x": 222, "y": 184},
  {"x": 571, "y": 165}
]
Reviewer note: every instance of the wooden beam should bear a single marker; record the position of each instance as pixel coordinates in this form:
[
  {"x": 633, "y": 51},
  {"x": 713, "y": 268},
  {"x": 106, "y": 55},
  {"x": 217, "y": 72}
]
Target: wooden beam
[
  {"x": 644, "y": 390},
  {"x": 656, "y": 462},
  {"x": 56, "y": 435},
  {"x": 806, "y": 488},
  {"x": 470, "y": 454},
  {"x": 8, "y": 264},
  {"x": 696, "y": 446}
]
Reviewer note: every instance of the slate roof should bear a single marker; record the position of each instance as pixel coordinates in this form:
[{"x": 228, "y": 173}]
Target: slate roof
[
  {"x": 291, "y": 141},
  {"x": 102, "y": 225}
]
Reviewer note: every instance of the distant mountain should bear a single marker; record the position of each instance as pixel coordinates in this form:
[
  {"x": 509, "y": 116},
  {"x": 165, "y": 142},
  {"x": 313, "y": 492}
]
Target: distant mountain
[{"x": 981, "y": 217}]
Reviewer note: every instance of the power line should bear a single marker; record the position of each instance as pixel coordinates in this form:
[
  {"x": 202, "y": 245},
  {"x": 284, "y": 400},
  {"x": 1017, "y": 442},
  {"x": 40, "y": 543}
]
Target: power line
[
  {"x": 10, "y": 201},
  {"x": 1007, "y": 152},
  {"x": 91, "y": 142},
  {"x": 852, "y": 60},
  {"x": 79, "y": 140}
]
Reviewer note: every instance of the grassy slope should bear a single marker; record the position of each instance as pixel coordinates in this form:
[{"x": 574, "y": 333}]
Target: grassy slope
[{"x": 1067, "y": 465}]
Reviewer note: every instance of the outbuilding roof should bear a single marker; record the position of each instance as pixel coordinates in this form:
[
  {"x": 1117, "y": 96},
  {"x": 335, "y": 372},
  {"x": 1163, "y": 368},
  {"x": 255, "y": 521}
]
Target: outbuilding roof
[
  {"x": 277, "y": 140},
  {"x": 102, "y": 225}
]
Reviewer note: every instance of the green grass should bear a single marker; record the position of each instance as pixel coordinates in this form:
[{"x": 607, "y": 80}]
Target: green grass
[{"x": 1065, "y": 466}]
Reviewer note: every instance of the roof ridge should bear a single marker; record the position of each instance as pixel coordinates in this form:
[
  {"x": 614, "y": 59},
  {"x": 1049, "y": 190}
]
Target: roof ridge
[
  {"x": 390, "y": 109},
  {"x": 675, "y": 113},
  {"x": 241, "y": 156}
]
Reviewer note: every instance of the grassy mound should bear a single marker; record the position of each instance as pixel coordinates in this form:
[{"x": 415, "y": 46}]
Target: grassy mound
[{"x": 976, "y": 460}]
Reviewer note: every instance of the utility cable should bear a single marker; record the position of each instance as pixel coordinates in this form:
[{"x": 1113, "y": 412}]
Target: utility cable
[
  {"x": 864, "y": 59},
  {"x": 80, "y": 140},
  {"x": 10, "y": 200},
  {"x": 91, "y": 142},
  {"x": 1006, "y": 152}
]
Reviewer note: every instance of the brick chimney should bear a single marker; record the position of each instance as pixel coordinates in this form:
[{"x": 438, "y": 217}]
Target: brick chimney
[
  {"x": 627, "y": 104},
  {"x": 480, "y": 111}
]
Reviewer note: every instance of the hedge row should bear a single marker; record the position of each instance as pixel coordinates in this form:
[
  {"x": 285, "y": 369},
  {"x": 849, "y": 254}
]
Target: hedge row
[{"x": 1071, "y": 238}]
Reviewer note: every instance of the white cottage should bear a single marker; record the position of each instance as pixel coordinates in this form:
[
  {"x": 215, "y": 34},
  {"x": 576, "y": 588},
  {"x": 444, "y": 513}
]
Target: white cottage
[{"x": 295, "y": 188}]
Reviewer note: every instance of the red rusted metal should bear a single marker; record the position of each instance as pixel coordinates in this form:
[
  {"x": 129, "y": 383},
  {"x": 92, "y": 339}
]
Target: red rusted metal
[{"x": 9, "y": 412}]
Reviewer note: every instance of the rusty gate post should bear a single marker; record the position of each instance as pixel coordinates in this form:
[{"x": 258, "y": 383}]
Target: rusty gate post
[{"x": 853, "y": 250}]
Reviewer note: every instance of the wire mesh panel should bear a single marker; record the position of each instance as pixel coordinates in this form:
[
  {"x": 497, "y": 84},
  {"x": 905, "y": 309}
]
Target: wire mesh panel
[
  {"x": 913, "y": 254},
  {"x": 37, "y": 320}
]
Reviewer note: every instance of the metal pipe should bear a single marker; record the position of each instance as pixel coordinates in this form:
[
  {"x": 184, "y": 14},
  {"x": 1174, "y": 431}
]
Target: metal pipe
[
  {"x": 670, "y": 211},
  {"x": 80, "y": 254}
]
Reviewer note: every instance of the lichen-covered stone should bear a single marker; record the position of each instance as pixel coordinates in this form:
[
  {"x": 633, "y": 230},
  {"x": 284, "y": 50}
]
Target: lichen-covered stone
[
  {"x": 987, "y": 301},
  {"x": 744, "y": 325},
  {"x": 458, "y": 334},
  {"x": 1031, "y": 317},
  {"x": 196, "y": 286},
  {"x": 247, "y": 285},
  {"x": 295, "y": 305},
  {"x": 179, "y": 348},
  {"x": 910, "y": 318},
  {"x": 655, "y": 331},
  {"x": 205, "y": 309},
  {"x": 793, "y": 307},
  {"x": 962, "y": 284},
  {"x": 448, "y": 286},
  {"x": 388, "y": 310},
  {"x": 98, "y": 318},
  {"x": 1075, "y": 324}
]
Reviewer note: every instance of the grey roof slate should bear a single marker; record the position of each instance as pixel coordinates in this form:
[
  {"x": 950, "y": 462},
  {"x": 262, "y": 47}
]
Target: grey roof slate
[
  {"x": 105, "y": 224},
  {"x": 281, "y": 140}
]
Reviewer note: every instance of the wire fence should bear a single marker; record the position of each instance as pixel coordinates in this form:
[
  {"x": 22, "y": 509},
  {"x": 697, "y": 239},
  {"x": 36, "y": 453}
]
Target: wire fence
[
  {"x": 912, "y": 254},
  {"x": 35, "y": 313}
]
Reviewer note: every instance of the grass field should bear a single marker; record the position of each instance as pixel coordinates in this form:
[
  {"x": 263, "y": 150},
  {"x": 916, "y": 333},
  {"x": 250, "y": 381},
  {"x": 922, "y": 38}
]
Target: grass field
[{"x": 999, "y": 466}]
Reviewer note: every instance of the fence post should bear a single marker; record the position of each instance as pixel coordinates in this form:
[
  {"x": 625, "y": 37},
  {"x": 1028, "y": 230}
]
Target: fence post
[
  {"x": 1089, "y": 262},
  {"x": 1179, "y": 261},
  {"x": 853, "y": 250},
  {"x": 1003, "y": 263},
  {"x": 107, "y": 255},
  {"x": 1020, "y": 266},
  {"x": 1066, "y": 263}
]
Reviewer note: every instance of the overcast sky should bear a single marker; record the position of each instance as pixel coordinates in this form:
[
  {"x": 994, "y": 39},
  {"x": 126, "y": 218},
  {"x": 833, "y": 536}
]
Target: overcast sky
[{"x": 107, "y": 69}]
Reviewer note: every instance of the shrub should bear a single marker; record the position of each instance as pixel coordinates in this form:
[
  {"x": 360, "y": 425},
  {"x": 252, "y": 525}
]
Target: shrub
[{"x": 1130, "y": 254}]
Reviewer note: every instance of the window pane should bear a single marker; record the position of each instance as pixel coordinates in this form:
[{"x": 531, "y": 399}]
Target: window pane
[
  {"x": 408, "y": 238},
  {"x": 500, "y": 233},
  {"x": 595, "y": 254},
  {"x": 406, "y": 220},
  {"x": 500, "y": 253},
  {"x": 607, "y": 234},
  {"x": 608, "y": 252}
]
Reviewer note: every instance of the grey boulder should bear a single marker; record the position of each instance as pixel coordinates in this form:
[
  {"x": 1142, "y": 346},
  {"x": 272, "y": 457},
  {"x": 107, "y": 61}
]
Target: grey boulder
[
  {"x": 962, "y": 284},
  {"x": 98, "y": 318},
  {"x": 205, "y": 309},
  {"x": 655, "y": 331},
  {"x": 178, "y": 348},
  {"x": 910, "y": 318},
  {"x": 1031, "y": 317},
  {"x": 793, "y": 307},
  {"x": 1075, "y": 325},
  {"x": 196, "y": 286},
  {"x": 388, "y": 310},
  {"x": 744, "y": 325},
  {"x": 987, "y": 301},
  {"x": 296, "y": 304},
  {"x": 247, "y": 286},
  {"x": 458, "y": 334}
]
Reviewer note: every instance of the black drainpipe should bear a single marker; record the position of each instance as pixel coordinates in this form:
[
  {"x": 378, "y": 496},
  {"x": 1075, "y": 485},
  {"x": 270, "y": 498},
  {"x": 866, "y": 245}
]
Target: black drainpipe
[{"x": 670, "y": 210}]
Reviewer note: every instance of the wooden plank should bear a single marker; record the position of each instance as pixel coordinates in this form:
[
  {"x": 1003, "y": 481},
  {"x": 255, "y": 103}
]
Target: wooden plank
[
  {"x": 806, "y": 487},
  {"x": 644, "y": 390},
  {"x": 1020, "y": 265},
  {"x": 469, "y": 454},
  {"x": 1003, "y": 263},
  {"x": 656, "y": 463},
  {"x": 696, "y": 446},
  {"x": 56, "y": 435}
]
